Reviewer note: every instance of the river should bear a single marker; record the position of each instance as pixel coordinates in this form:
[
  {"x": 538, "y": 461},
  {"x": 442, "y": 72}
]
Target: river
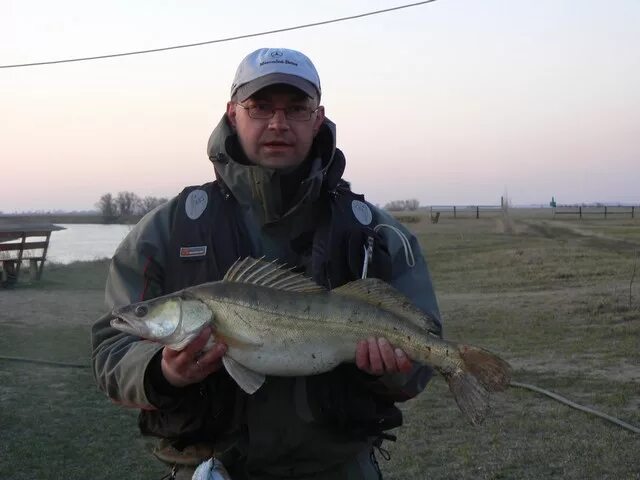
[{"x": 80, "y": 242}]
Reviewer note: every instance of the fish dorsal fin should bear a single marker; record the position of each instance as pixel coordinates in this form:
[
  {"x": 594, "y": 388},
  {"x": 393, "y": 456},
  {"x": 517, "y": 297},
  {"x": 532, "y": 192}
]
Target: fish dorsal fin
[
  {"x": 257, "y": 271},
  {"x": 382, "y": 295}
]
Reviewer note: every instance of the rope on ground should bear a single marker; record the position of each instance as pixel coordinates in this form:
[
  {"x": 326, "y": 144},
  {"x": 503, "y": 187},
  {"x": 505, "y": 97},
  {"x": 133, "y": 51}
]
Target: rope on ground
[
  {"x": 571, "y": 404},
  {"x": 44, "y": 362}
]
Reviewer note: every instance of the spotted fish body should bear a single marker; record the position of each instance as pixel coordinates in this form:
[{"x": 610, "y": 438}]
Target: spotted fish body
[{"x": 278, "y": 323}]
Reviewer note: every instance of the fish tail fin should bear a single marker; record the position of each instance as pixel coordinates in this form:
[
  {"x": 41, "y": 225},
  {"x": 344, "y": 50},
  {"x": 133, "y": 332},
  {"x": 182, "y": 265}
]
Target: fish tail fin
[
  {"x": 482, "y": 372},
  {"x": 470, "y": 395},
  {"x": 490, "y": 370}
]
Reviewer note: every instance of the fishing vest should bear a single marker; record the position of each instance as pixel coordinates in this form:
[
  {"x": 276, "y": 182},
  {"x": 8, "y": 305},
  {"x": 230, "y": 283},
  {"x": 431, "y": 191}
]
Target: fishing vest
[{"x": 206, "y": 239}]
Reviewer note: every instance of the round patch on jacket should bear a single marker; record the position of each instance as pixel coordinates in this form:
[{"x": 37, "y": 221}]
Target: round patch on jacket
[
  {"x": 196, "y": 203},
  {"x": 362, "y": 212}
]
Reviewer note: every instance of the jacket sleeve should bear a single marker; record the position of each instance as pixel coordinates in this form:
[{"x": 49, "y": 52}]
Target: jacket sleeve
[
  {"x": 120, "y": 361},
  {"x": 412, "y": 278}
]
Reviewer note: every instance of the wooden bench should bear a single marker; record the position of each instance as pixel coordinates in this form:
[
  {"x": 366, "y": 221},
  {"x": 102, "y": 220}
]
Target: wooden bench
[{"x": 21, "y": 244}]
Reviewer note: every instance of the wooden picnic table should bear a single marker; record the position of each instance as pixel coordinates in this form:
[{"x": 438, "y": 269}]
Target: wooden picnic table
[{"x": 22, "y": 242}]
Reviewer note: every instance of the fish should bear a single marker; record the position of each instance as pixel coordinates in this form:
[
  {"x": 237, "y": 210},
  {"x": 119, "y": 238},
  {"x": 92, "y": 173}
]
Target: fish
[{"x": 276, "y": 322}]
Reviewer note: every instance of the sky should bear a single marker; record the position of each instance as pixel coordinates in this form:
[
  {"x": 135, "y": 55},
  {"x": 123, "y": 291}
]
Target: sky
[{"x": 453, "y": 102}]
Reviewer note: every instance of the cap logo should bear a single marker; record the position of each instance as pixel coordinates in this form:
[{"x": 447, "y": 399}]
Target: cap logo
[
  {"x": 362, "y": 212},
  {"x": 285, "y": 61},
  {"x": 196, "y": 203},
  {"x": 277, "y": 53}
]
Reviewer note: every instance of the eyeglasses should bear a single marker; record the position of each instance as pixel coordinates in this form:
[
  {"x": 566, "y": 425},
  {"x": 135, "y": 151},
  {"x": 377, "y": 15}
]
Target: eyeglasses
[{"x": 264, "y": 111}]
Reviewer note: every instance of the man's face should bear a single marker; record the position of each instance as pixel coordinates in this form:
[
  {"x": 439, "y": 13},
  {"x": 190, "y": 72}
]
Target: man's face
[{"x": 276, "y": 142}]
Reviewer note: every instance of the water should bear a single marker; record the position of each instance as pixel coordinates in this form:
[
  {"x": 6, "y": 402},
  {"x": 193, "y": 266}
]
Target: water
[{"x": 81, "y": 242}]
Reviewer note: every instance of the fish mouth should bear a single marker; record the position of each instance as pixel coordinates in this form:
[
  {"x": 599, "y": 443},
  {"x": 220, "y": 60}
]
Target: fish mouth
[{"x": 123, "y": 325}]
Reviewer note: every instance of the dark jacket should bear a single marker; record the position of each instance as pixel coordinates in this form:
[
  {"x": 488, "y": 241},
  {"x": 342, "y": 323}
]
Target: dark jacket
[{"x": 285, "y": 428}]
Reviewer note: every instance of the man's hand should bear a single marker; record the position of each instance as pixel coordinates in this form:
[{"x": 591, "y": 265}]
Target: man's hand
[
  {"x": 377, "y": 357},
  {"x": 191, "y": 365}
]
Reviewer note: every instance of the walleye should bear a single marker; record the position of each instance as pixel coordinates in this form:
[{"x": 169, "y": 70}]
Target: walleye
[{"x": 280, "y": 323}]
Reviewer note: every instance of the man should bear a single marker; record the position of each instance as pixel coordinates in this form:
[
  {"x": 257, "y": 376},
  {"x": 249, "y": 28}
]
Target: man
[{"x": 278, "y": 194}]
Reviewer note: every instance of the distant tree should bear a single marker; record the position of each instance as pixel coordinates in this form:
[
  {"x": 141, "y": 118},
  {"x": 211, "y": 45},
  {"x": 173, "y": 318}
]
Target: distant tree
[
  {"x": 107, "y": 207},
  {"x": 394, "y": 206},
  {"x": 412, "y": 204},
  {"x": 400, "y": 205},
  {"x": 127, "y": 203},
  {"x": 149, "y": 203}
]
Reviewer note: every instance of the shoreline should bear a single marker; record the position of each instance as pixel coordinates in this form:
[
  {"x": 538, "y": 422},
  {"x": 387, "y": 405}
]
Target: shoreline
[{"x": 70, "y": 218}]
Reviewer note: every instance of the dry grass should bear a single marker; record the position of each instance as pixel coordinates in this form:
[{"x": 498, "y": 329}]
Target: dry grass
[{"x": 552, "y": 298}]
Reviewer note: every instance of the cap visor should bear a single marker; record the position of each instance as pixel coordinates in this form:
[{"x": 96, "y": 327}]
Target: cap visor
[{"x": 250, "y": 88}]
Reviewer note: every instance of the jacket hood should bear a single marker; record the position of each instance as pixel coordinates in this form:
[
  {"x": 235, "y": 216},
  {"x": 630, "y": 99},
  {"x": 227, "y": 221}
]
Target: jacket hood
[{"x": 275, "y": 194}]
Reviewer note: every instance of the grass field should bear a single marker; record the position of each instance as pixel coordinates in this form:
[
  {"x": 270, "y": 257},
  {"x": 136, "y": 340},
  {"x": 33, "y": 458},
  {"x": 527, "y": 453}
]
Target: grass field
[{"x": 553, "y": 297}]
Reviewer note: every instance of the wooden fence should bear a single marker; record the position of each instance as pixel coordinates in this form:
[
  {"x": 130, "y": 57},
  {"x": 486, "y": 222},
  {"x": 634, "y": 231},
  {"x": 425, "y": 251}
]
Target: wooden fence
[
  {"x": 600, "y": 210},
  {"x": 463, "y": 211}
]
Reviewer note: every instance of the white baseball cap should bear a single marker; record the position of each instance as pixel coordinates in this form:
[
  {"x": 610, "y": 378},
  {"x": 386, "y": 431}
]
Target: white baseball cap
[{"x": 270, "y": 66}]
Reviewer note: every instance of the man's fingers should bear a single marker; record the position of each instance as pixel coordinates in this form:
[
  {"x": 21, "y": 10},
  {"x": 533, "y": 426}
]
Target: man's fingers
[
  {"x": 404, "y": 363},
  {"x": 169, "y": 354},
  {"x": 377, "y": 356},
  {"x": 388, "y": 355},
  {"x": 191, "y": 350},
  {"x": 375, "y": 360},
  {"x": 177, "y": 360},
  {"x": 197, "y": 344},
  {"x": 362, "y": 355},
  {"x": 211, "y": 360},
  {"x": 191, "y": 364}
]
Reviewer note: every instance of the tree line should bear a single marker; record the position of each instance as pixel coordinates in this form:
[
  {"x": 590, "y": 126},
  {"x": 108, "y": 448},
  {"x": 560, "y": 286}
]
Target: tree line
[
  {"x": 401, "y": 205},
  {"x": 126, "y": 205}
]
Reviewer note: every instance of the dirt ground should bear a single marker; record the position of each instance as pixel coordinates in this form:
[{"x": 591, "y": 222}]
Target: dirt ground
[{"x": 55, "y": 423}]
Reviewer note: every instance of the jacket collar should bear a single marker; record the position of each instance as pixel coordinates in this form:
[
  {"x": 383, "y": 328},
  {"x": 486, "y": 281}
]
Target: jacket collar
[{"x": 261, "y": 188}]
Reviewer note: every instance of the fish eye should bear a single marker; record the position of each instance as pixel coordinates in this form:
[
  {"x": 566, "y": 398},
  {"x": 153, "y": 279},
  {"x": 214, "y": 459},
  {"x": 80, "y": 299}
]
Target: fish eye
[{"x": 141, "y": 311}]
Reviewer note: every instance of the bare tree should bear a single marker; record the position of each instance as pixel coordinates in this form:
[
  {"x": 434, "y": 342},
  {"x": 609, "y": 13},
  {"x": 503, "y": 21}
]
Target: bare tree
[
  {"x": 107, "y": 207},
  {"x": 400, "y": 205},
  {"x": 149, "y": 203},
  {"x": 412, "y": 204},
  {"x": 127, "y": 203},
  {"x": 394, "y": 206}
]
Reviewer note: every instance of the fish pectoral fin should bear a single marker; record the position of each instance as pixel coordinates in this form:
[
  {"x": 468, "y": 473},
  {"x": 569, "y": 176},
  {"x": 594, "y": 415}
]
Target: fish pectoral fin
[{"x": 247, "y": 379}]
